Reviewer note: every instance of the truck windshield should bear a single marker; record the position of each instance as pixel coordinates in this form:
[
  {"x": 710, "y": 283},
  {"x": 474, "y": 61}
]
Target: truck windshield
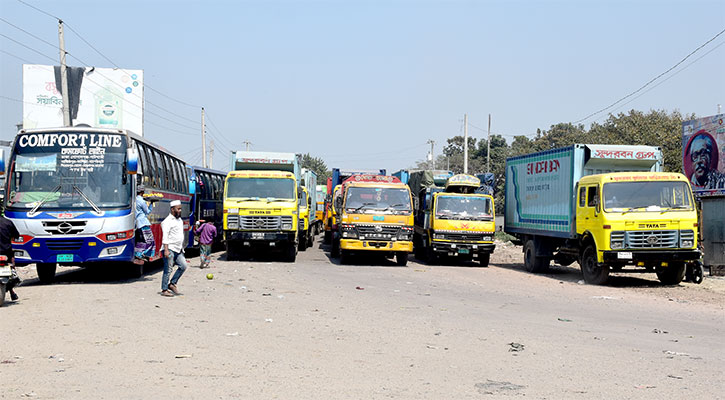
[
  {"x": 61, "y": 171},
  {"x": 460, "y": 207},
  {"x": 261, "y": 188},
  {"x": 370, "y": 199},
  {"x": 646, "y": 196}
]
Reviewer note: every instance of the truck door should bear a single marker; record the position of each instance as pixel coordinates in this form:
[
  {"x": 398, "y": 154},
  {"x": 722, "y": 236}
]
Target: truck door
[{"x": 586, "y": 210}]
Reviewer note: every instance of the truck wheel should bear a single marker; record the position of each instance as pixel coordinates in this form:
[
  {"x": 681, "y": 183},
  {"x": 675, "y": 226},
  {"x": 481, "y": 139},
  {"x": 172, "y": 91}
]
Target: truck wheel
[
  {"x": 672, "y": 274},
  {"x": 3, "y": 289},
  {"x": 532, "y": 263},
  {"x": 594, "y": 273},
  {"x": 291, "y": 254},
  {"x": 46, "y": 272},
  {"x": 698, "y": 272},
  {"x": 311, "y": 239},
  {"x": 401, "y": 258},
  {"x": 302, "y": 246},
  {"x": 231, "y": 253},
  {"x": 335, "y": 251},
  {"x": 344, "y": 257},
  {"x": 327, "y": 237},
  {"x": 484, "y": 259},
  {"x": 430, "y": 255}
]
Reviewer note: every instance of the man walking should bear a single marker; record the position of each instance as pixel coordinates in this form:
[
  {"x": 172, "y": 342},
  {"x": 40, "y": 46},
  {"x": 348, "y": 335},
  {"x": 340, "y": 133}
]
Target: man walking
[
  {"x": 172, "y": 229},
  {"x": 207, "y": 233}
]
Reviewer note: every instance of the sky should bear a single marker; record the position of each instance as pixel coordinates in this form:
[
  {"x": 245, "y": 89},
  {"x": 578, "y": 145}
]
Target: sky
[{"x": 365, "y": 84}]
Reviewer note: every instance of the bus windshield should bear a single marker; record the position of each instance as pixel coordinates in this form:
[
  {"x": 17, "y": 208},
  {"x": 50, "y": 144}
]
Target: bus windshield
[
  {"x": 61, "y": 171},
  {"x": 261, "y": 188},
  {"x": 646, "y": 196},
  {"x": 372, "y": 199},
  {"x": 463, "y": 207}
]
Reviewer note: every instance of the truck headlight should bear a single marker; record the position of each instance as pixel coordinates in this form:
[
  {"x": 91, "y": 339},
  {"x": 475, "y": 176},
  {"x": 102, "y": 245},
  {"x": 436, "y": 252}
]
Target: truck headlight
[
  {"x": 487, "y": 238},
  {"x": 349, "y": 231},
  {"x": 287, "y": 226},
  {"x": 617, "y": 245},
  {"x": 233, "y": 211},
  {"x": 439, "y": 236},
  {"x": 687, "y": 243},
  {"x": 233, "y": 225}
]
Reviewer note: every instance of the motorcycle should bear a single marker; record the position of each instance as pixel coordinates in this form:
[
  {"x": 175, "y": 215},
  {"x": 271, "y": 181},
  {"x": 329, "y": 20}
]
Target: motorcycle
[{"x": 8, "y": 278}]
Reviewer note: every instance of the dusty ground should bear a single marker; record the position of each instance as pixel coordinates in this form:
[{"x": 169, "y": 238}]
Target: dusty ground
[{"x": 316, "y": 329}]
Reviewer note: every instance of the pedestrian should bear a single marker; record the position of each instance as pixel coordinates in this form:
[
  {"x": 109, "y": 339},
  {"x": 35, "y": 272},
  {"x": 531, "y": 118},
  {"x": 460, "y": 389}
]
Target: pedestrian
[
  {"x": 207, "y": 232},
  {"x": 145, "y": 244},
  {"x": 172, "y": 229},
  {"x": 8, "y": 232}
]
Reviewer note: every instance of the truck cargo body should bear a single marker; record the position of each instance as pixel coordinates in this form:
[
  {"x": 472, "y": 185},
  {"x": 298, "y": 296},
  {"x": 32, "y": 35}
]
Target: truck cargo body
[
  {"x": 606, "y": 206},
  {"x": 261, "y": 203}
]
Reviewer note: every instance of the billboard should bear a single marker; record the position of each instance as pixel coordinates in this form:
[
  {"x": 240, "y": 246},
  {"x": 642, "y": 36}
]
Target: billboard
[
  {"x": 109, "y": 98},
  {"x": 703, "y": 154}
]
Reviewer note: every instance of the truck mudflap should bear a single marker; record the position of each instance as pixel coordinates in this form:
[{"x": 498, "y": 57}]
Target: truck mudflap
[
  {"x": 376, "y": 245},
  {"x": 634, "y": 256},
  {"x": 463, "y": 248},
  {"x": 260, "y": 236}
]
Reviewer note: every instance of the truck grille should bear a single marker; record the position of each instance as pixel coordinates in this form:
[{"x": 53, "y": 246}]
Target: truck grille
[
  {"x": 64, "y": 227},
  {"x": 64, "y": 245},
  {"x": 380, "y": 232},
  {"x": 479, "y": 237},
  {"x": 263, "y": 222},
  {"x": 649, "y": 239}
]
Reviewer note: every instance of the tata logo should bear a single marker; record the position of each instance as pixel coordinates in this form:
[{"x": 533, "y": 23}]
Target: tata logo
[
  {"x": 260, "y": 212},
  {"x": 653, "y": 226},
  {"x": 542, "y": 167}
]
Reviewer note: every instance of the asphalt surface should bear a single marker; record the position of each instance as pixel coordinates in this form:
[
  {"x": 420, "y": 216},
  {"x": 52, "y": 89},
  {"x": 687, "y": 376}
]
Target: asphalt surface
[{"x": 263, "y": 329}]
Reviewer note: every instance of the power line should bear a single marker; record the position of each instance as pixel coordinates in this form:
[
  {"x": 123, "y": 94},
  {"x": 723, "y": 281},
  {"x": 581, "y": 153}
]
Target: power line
[
  {"x": 652, "y": 80},
  {"x": 18, "y": 57},
  {"x": 219, "y": 131},
  {"x": 29, "y": 34},
  {"x": 26, "y": 46},
  {"x": 39, "y": 10}
]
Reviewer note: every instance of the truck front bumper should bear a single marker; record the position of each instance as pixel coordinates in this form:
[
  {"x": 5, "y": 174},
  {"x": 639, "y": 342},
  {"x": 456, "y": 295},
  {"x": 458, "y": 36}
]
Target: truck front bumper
[
  {"x": 649, "y": 256},
  {"x": 376, "y": 245},
  {"x": 455, "y": 248},
  {"x": 259, "y": 237}
]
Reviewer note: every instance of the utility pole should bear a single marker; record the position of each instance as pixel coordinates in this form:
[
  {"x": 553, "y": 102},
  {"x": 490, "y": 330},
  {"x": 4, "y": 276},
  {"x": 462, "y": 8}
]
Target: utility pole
[
  {"x": 465, "y": 143},
  {"x": 63, "y": 76},
  {"x": 432, "y": 143},
  {"x": 203, "y": 140},
  {"x": 211, "y": 153},
  {"x": 488, "y": 151},
  {"x": 247, "y": 143}
]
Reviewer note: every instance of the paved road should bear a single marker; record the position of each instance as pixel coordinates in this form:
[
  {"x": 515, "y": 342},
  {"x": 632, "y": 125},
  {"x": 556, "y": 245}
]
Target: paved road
[{"x": 266, "y": 330}]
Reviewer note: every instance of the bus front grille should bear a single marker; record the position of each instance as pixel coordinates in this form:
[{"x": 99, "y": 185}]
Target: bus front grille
[{"x": 64, "y": 245}]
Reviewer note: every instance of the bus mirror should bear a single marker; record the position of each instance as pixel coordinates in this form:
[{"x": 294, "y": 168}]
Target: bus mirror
[
  {"x": 192, "y": 186},
  {"x": 2, "y": 162},
  {"x": 132, "y": 161}
]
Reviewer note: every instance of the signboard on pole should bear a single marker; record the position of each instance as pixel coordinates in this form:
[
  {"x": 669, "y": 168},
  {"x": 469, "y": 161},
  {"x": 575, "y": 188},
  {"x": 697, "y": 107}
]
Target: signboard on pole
[
  {"x": 703, "y": 154},
  {"x": 109, "y": 98}
]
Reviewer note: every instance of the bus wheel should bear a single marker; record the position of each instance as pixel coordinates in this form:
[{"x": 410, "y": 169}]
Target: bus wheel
[
  {"x": 594, "y": 273},
  {"x": 672, "y": 274},
  {"x": 401, "y": 258},
  {"x": 46, "y": 272},
  {"x": 483, "y": 258}
]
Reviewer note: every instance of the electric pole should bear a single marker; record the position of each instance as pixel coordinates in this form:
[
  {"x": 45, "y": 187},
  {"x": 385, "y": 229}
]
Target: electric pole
[
  {"x": 211, "y": 153},
  {"x": 203, "y": 140},
  {"x": 247, "y": 143},
  {"x": 465, "y": 143},
  {"x": 63, "y": 77},
  {"x": 488, "y": 151},
  {"x": 432, "y": 143}
]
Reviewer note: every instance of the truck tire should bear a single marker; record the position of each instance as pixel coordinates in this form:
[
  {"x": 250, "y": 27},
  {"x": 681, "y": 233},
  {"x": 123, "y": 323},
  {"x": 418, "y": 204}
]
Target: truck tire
[
  {"x": 302, "y": 246},
  {"x": 291, "y": 253},
  {"x": 327, "y": 237},
  {"x": 401, "y": 258},
  {"x": 594, "y": 273},
  {"x": 672, "y": 274},
  {"x": 484, "y": 259},
  {"x": 532, "y": 263},
  {"x": 3, "y": 289},
  {"x": 335, "y": 251},
  {"x": 46, "y": 272},
  {"x": 344, "y": 257},
  {"x": 430, "y": 256},
  {"x": 311, "y": 239},
  {"x": 231, "y": 253}
]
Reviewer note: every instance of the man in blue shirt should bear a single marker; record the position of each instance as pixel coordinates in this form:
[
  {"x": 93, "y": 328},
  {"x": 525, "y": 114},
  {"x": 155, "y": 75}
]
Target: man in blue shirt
[{"x": 145, "y": 244}]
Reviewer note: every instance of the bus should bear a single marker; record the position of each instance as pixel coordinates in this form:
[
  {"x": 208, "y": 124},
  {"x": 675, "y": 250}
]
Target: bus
[
  {"x": 71, "y": 193},
  {"x": 207, "y": 192}
]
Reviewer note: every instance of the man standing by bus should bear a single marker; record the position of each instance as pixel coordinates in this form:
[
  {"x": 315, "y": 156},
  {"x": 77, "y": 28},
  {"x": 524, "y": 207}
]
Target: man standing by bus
[{"x": 172, "y": 229}]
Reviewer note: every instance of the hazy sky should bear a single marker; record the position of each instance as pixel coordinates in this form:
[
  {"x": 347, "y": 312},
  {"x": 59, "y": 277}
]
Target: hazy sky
[{"x": 366, "y": 84}]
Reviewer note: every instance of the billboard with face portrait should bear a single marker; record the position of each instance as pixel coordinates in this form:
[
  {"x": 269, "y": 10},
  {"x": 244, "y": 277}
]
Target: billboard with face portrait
[{"x": 703, "y": 154}]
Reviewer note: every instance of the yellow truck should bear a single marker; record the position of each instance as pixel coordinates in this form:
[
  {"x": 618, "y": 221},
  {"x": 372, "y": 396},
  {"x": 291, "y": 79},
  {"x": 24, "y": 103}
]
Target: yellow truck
[
  {"x": 606, "y": 206},
  {"x": 453, "y": 221},
  {"x": 375, "y": 215},
  {"x": 261, "y": 195},
  {"x": 305, "y": 234}
]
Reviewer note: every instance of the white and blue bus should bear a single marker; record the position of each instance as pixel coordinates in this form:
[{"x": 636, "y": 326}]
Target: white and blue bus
[
  {"x": 206, "y": 199},
  {"x": 71, "y": 193}
]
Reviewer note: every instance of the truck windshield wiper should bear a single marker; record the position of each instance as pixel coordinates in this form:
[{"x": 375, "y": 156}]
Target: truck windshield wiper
[
  {"x": 272, "y": 199},
  {"x": 41, "y": 202},
  {"x": 363, "y": 206},
  {"x": 393, "y": 206},
  {"x": 632, "y": 209},
  {"x": 95, "y": 207}
]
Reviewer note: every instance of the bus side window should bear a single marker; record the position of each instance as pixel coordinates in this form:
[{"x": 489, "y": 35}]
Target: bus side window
[
  {"x": 160, "y": 173},
  {"x": 149, "y": 173},
  {"x": 182, "y": 178},
  {"x": 172, "y": 167}
]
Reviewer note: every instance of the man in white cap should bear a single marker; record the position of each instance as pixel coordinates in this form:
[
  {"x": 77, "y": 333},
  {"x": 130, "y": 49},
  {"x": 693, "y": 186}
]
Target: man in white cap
[{"x": 172, "y": 229}]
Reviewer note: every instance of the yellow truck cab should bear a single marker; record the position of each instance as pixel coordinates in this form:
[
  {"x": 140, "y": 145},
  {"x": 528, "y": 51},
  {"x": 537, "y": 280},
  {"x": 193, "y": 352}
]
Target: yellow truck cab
[
  {"x": 454, "y": 221},
  {"x": 261, "y": 204},
  {"x": 304, "y": 234},
  {"x": 375, "y": 215},
  {"x": 609, "y": 207}
]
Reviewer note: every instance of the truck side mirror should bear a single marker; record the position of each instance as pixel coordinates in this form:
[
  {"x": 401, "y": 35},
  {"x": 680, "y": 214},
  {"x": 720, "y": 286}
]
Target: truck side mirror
[
  {"x": 2, "y": 162},
  {"x": 338, "y": 203},
  {"x": 131, "y": 161}
]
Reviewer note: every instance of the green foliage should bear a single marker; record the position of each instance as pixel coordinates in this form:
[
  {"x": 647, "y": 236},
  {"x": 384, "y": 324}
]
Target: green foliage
[{"x": 318, "y": 166}]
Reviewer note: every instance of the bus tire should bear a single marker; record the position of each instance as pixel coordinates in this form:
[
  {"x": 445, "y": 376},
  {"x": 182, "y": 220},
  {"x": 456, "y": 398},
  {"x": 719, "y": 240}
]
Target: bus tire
[
  {"x": 672, "y": 274},
  {"x": 594, "y": 273},
  {"x": 401, "y": 258},
  {"x": 532, "y": 263},
  {"x": 46, "y": 272},
  {"x": 484, "y": 258}
]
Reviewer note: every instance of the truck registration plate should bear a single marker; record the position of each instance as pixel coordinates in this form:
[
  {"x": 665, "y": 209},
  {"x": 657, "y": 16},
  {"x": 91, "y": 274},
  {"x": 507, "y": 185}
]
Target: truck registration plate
[
  {"x": 463, "y": 251},
  {"x": 4, "y": 270},
  {"x": 257, "y": 235},
  {"x": 64, "y": 258},
  {"x": 624, "y": 255}
]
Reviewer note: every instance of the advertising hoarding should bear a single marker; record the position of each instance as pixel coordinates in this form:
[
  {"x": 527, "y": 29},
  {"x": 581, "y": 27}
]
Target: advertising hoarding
[
  {"x": 703, "y": 154},
  {"x": 109, "y": 98}
]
